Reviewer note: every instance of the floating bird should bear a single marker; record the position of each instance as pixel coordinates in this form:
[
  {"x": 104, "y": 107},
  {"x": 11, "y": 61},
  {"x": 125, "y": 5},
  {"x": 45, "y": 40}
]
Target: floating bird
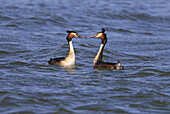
[
  {"x": 70, "y": 59},
  {"x": 98, "y": 61}
]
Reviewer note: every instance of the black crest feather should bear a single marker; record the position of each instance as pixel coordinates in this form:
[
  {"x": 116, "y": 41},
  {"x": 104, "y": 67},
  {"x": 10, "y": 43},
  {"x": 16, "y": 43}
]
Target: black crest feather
[
  {"x": 69, "y": 31},
  {"x": 103, "y": 30}
]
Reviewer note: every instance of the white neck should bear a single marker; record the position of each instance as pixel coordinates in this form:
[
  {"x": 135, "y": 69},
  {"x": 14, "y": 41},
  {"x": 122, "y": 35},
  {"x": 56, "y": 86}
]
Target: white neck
[
  {"x": 71, "y": 47},
  {"x": 99, "y": 54},
  {"x": 70, "y": 59}
]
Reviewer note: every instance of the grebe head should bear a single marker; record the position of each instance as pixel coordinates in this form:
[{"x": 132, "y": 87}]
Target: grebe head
[
  {"x": 72, "y": 34},
  {"x": 100, "y": 35}
]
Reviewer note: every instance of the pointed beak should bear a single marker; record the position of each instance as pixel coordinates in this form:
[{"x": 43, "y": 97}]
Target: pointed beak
[
  {"x": 91, "y": 36},
  {"x": 80, "y": 36}
]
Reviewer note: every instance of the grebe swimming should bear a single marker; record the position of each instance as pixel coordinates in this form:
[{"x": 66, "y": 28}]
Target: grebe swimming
[
  {"x": 98, "y": 61},
  {"x": 70, "y": 59}
]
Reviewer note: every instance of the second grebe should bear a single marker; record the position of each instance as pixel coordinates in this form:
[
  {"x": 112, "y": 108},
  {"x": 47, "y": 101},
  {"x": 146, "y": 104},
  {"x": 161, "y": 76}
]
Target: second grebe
[
  {"x": 70, "y": 58},
  {"x": 98, "y": 61}
]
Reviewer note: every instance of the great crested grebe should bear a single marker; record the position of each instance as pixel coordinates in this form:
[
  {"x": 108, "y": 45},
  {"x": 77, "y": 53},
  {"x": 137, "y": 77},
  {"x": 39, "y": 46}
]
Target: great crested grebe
[
  {"x": 70, "y": 59},
  {"x": 98, "y": 61}
]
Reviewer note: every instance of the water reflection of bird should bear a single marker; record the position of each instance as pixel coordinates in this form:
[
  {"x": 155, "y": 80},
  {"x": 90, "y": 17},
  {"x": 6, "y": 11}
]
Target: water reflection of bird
[
  {"x": 70, "y": 59},
  {"x": 98, "y": 61}
]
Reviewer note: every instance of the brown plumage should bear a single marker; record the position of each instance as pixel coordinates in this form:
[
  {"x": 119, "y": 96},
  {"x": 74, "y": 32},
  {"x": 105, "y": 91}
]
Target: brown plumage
[{"x": 98, "y": 61}]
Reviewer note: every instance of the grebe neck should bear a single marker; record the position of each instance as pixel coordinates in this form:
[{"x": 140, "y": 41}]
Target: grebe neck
[
  {"x": 70, "y": 59},
  {"x": 99, "y": 55},
  {"x": 70, "y": 47},
  {"x": 71, "y": 53}
]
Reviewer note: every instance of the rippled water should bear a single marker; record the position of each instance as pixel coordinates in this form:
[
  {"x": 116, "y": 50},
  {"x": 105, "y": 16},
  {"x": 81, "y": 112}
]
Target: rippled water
[{"x": 33, "y": 31}]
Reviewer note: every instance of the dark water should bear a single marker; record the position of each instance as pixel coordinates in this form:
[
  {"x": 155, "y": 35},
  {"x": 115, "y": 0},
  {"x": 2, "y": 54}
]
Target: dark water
[{"x": 33, "y": 31}]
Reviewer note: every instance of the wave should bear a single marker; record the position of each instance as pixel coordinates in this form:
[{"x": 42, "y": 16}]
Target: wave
[{"x": 131, "y": 15}]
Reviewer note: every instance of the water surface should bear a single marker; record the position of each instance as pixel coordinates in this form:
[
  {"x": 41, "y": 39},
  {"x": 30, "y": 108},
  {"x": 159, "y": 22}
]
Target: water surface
[{"x": 33, "y": 31}]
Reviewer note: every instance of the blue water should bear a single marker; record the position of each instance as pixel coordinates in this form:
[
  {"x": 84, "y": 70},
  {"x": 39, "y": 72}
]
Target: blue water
[{"x": 33, "y": 31}]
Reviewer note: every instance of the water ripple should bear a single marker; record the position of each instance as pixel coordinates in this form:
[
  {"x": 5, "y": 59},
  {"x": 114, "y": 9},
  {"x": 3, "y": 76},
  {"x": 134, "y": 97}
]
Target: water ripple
[{"x": 33, "y": 31}]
